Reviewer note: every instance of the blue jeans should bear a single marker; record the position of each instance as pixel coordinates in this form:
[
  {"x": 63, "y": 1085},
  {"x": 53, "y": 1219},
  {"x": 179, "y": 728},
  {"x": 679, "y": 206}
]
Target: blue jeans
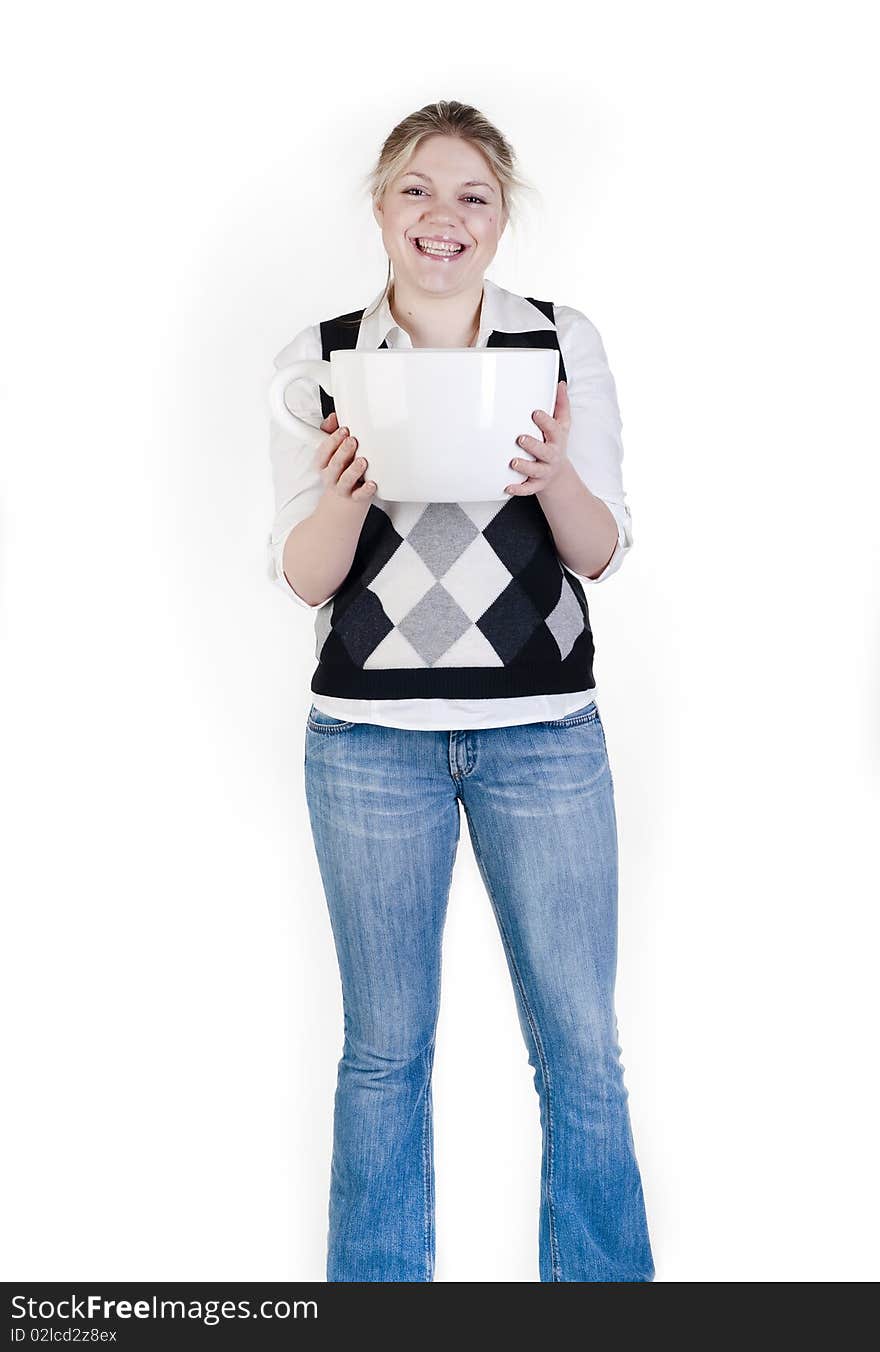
[{"x": 539, "y": 802}]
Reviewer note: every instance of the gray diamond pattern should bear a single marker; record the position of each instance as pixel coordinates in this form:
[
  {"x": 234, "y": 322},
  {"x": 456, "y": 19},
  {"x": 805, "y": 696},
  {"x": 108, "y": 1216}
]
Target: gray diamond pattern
[
  {"x": 434, "y": 624},
  {"x": 442, "y": 532}
]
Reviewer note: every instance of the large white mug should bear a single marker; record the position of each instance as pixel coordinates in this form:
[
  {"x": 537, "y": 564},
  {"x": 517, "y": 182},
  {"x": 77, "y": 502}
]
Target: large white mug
[{"x": 436, "y": 424}]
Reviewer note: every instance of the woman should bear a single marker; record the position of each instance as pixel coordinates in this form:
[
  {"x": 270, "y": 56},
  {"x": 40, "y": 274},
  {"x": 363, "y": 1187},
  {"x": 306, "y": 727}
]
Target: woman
[{"x": 455, "y": 665}]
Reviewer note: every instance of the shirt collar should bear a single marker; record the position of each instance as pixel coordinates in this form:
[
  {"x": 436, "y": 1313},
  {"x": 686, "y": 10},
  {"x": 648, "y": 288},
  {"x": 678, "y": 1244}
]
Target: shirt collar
[{"x": 502, "y": 311}]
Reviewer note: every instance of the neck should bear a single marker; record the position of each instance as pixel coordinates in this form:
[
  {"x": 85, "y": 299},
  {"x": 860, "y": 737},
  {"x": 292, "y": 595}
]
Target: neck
[{"x": 437, "y": 321}]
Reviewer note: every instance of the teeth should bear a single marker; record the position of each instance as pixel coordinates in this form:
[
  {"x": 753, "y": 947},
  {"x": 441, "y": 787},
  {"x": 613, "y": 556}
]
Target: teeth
[{"x": 438, "y": 247}]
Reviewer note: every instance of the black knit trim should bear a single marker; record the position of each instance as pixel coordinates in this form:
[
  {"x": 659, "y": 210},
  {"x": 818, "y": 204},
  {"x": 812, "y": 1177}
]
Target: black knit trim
[{"x": 546, "y": 678}]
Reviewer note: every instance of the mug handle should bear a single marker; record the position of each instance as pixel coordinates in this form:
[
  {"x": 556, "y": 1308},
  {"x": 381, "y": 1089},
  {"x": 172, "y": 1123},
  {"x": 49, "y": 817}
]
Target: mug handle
[{"x": 307, "y": 366}]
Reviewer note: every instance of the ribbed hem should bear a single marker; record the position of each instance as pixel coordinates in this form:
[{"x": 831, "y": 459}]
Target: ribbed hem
[{"x": 546, "y": 678}]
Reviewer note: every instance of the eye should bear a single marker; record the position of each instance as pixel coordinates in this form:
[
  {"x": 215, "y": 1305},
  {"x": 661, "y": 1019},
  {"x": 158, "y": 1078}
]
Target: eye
[{"x": 470, "y": 197}]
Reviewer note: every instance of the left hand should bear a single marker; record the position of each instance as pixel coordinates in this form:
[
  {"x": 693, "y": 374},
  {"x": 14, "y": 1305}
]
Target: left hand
[{"x": 551, "y": 454}]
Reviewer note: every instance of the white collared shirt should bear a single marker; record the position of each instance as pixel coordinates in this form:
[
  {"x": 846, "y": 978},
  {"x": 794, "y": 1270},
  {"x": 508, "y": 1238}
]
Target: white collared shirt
[{"x": 594, "y": 448}]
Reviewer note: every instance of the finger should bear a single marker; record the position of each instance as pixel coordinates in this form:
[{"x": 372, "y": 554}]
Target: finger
[
  {"x": 562, "y": 411},
  {"x": 334, "y": 460},
  {"x": 364, "y": 490},
  {"x": 536, "y": 469},
  {"x": 331, "y": 422},
  {"x": 523, "y": 490},
  {"x": 541, "y": 450},
  {"x": 548, "y": 424},
  {"x": 349, "y": 477},
  {"x": 337, "y": 440},
  {"x": 343, "y": 456}
]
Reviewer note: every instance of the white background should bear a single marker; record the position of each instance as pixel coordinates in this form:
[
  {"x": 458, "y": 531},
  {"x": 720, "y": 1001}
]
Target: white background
[{"x": 185, "y": 196}]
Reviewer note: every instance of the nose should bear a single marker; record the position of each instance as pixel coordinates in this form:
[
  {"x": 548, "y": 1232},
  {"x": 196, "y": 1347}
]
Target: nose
[
  {"x": 441, "y": 213},
  {"x": 442, "y": 223}
]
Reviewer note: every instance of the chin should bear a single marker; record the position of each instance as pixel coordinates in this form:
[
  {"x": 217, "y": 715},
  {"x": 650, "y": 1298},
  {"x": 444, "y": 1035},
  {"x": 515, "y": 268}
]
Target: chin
[{"x": 436, "y": 279}]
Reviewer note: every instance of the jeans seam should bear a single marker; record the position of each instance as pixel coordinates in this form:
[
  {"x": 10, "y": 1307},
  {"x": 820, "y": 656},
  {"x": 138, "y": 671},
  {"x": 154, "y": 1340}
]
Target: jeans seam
[
  {"x": 607, "y": 757},
  {"x": 426, "y": 1167},
  {"x": 427, "y": 1153},
  {"x": 542, "y": 1061}
]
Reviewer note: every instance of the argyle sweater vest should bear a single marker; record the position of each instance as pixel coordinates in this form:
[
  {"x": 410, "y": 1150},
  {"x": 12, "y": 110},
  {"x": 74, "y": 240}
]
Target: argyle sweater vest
[{"x": 453, "y": 600}]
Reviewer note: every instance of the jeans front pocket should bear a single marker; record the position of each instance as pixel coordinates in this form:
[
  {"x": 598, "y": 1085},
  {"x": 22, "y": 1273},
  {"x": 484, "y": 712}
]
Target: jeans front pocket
[
  {"x": 318, "y": 721},
  {"x": 588, "y": 713}
]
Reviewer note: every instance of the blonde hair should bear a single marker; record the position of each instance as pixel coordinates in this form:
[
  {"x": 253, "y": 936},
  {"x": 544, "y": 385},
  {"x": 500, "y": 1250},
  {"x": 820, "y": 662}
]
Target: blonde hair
[{"x": 446, "y": 118}]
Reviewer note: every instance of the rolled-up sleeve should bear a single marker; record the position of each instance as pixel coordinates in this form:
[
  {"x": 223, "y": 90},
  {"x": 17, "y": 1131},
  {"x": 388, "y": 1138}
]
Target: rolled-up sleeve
[
  {"x": 595, "y": 443},
  {"x": 296, "y": 479}
]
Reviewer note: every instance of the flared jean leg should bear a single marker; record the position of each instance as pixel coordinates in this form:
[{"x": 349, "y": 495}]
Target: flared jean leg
[
  {"x": 385, "y": 822},
  {"x": 540, "y": 808}
]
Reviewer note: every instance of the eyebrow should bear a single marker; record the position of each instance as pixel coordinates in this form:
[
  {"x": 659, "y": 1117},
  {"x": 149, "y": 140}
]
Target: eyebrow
[{"x": 471, "y": 182}]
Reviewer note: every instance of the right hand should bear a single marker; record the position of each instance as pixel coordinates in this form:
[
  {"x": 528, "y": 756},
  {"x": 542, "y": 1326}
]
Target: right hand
[{"x": 341, "y": 470}]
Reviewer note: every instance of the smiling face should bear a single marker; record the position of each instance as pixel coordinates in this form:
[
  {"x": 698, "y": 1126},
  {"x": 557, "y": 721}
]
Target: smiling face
[{"x": 446, "y": 197}]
